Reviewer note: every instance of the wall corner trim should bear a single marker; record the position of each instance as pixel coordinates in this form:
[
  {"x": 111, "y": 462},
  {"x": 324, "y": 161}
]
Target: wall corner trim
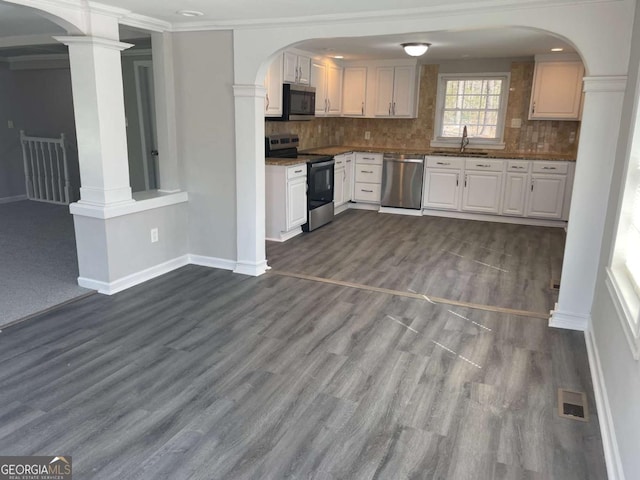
[
  {"x": 605, "y": 419},
  {"x": 569, "y": 320},
  {"x": 616, "y": 83}
]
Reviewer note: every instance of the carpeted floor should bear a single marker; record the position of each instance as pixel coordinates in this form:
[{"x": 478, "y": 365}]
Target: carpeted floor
[{"x": 38, "y": 263}]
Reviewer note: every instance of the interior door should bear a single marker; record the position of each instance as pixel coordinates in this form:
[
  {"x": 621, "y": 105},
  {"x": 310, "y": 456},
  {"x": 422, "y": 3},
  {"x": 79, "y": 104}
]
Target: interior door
[{"x": 147, "y": 117}]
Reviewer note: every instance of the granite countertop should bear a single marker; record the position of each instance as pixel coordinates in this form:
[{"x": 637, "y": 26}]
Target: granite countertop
[
  {"x": 340, "y": 149},
  {"x": 300, "y": 159}
]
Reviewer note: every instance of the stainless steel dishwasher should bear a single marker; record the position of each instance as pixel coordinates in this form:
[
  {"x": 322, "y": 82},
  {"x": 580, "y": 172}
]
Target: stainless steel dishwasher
[{"x": 402, "y": 180}]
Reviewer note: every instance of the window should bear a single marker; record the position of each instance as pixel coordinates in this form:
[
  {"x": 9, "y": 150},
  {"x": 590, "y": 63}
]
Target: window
[
  {"x": 476, "y": 101},
  {"x": 623, "y": 275}
]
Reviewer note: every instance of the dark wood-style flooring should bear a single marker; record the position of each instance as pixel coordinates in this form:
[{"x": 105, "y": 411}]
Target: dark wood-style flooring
[{"x": 205, "y": 374}]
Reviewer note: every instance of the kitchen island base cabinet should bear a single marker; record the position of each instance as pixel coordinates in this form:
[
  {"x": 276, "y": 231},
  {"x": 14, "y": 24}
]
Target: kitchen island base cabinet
[{"x": 286, "y": 201}]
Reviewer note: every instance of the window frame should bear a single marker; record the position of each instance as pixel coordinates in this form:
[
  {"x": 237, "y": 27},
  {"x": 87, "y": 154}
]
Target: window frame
[
  {"x": 623, "y": 289},
  {"x": 474, "y": 142}
]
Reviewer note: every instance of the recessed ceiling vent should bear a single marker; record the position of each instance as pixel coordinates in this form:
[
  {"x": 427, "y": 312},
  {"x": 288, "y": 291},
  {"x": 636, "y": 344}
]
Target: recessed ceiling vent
[{"x": 573, "y": 405}]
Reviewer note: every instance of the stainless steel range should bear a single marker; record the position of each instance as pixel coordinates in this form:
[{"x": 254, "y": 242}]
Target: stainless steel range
[{"x": 319, "y": 177}]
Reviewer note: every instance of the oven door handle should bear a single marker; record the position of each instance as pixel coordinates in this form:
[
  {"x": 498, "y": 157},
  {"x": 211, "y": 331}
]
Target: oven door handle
[{"x": 322, "y": 164}]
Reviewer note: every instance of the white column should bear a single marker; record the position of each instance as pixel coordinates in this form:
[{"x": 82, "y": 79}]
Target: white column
[
  {"x": 98, "y": 102},
  {"x": 594, "y": 167},
  {"x": 250, "y": 187},
  {"x": 165, "y": 98}
]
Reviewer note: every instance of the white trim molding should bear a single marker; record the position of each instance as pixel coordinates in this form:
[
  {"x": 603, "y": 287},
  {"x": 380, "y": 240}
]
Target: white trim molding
[
  {"x": 629, "y": 326},
  {"x": 109, "y": 288},
  {"x": 249, "y": 91},
  {"x": 141, "y": 202},
  {"x": 616, "y": 83},
  {"x": 569, "y": 320},
  {"x": 605, "y": 418},
  {"x": 212, "y": 262},
  {"x": 251, "y": 269},
  {"x": 101, "y": 42}
]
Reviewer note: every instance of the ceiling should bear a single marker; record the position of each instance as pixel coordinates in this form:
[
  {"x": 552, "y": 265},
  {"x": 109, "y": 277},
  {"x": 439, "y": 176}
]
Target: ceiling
[{"x": 19, "y": 24}]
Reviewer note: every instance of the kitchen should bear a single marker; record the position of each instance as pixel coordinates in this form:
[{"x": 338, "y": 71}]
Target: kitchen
[
  {"x": 514, "y": 184},
  {"x": 526, "y": 176}
]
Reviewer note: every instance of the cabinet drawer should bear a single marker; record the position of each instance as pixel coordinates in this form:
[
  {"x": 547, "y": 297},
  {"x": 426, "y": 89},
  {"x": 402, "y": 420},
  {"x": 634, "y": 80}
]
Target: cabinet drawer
[
  {"x": 369, "y": 158},
  {"x": 445, "y": 162},
  {"x": 296, "y": 171},
  {"x": 518, "y": 166},
  {"x": 368, "y": 173},
  {"x": 339, "y": 161},
  {"x": 550, "y": 167},
  {"x": 484, "y": 164},
  {"x": 367, "y": 192}
]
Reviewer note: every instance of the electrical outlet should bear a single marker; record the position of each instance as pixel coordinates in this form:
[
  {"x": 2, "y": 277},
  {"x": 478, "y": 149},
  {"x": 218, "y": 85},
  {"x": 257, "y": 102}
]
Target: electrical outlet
[
  {"x": 367, "y": 135},
  {"x": 572, "y": 137},
  {"x": 9, "y": 123},
  {"x": 154, "y": 235},
  {"x": 516, "y": 123}
]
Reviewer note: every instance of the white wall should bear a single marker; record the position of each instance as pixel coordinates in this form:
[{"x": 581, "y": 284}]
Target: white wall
[
  {"x": 621, "y": 373},
  {"x": 203, "y": 65}
]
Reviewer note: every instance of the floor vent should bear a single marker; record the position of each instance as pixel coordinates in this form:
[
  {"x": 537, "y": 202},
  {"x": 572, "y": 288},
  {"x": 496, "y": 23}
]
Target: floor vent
[
  {"x": 555, "y": 284},
  {"x": 573, "y": 405}
]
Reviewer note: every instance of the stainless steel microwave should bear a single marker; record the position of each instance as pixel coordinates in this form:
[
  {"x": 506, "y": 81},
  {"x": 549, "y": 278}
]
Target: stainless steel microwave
[{"x": 298, "y": 103}]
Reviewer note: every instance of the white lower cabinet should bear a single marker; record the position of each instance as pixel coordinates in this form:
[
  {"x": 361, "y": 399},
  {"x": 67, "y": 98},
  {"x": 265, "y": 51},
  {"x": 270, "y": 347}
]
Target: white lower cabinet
[
  {"x": 368, "y": 177},
  {"x": 286, "y": 201},
  {"x": 339, "y": 178},
  {"x": 482, "y": 192},
  {"x": 442, "y": 189},
  {"x": 348, "y": 177},
  {"x": 515, "y": 194},
  {"x": 520, "y": 188},
  {"x": 546, "y": 196}
]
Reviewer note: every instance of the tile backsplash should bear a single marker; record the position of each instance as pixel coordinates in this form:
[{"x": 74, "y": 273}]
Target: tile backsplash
[{"x": 533, "y": 136}]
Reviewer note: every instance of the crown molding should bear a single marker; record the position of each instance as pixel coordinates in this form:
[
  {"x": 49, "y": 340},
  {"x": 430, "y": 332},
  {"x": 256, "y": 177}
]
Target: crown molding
[{"x": 467, "y": 8}]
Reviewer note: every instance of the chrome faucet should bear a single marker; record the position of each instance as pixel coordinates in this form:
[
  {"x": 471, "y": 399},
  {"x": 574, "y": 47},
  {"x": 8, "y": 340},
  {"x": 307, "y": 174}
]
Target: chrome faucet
[{"x": 465, "y": 139}]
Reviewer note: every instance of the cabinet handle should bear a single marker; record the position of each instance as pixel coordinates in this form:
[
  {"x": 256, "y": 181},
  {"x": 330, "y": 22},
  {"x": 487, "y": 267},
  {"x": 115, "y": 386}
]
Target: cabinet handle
[
  {"x": 349, "y": 161},
  {"x": 548, "y": 168},
  {"x": 389, "y": 108},
  {"x": 457, "y": 179},
  {"x": 532, "y": 184},
  {"x": 443, "y": 163},
  {"x": 465, "y": 181},
  {"x": 368, "y": 158},
  {"x": 366, "y": 171},
  {"x": 297, "y": 171},
  {"x": 366, "y": 191},
  {"x": 533, "y": 108},
  {"x": 267, "y": 97},
  {"x": 328, "y": 104},
  {"x": 517, "y": 168},
  {"x": 362, "y": 108},
  {"x": 483, "y": 165},
  {"x": 325, "y": 106},
  {"x": 394, "y": 108}
]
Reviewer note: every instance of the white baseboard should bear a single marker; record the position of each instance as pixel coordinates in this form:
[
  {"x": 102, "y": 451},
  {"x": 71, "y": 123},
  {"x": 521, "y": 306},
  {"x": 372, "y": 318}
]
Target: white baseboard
[
  {"x": 569, "y": 320},
  {"x": 16, "y": 198},
  {"x": 252, "y": 269},
  {"x": 109, "y": 288},
  {"x": 284, "y": 236},
  {"x": 212, "y": 262},
  {"x": 605, "y": 419}
]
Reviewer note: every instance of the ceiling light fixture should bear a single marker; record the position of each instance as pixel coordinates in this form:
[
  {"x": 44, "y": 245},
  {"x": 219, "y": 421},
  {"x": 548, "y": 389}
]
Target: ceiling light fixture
[
  {"x": 338, "y": 56},
  {"x": 415, "y": 49},
  {"x": 557, "y": 49},
  {"x": 190, "y": 13}
]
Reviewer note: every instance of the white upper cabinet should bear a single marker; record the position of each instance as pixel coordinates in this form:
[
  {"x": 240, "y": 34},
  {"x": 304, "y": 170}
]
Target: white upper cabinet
[
  {"x": 273, "y": 84},
  {"x": 395, "y": 91},
  {"x": 297, "y": 68},
  {"x": 557, "y": 89},
  {"x": 354, "y": 91},
  {"x": 327, "y": 78}
]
